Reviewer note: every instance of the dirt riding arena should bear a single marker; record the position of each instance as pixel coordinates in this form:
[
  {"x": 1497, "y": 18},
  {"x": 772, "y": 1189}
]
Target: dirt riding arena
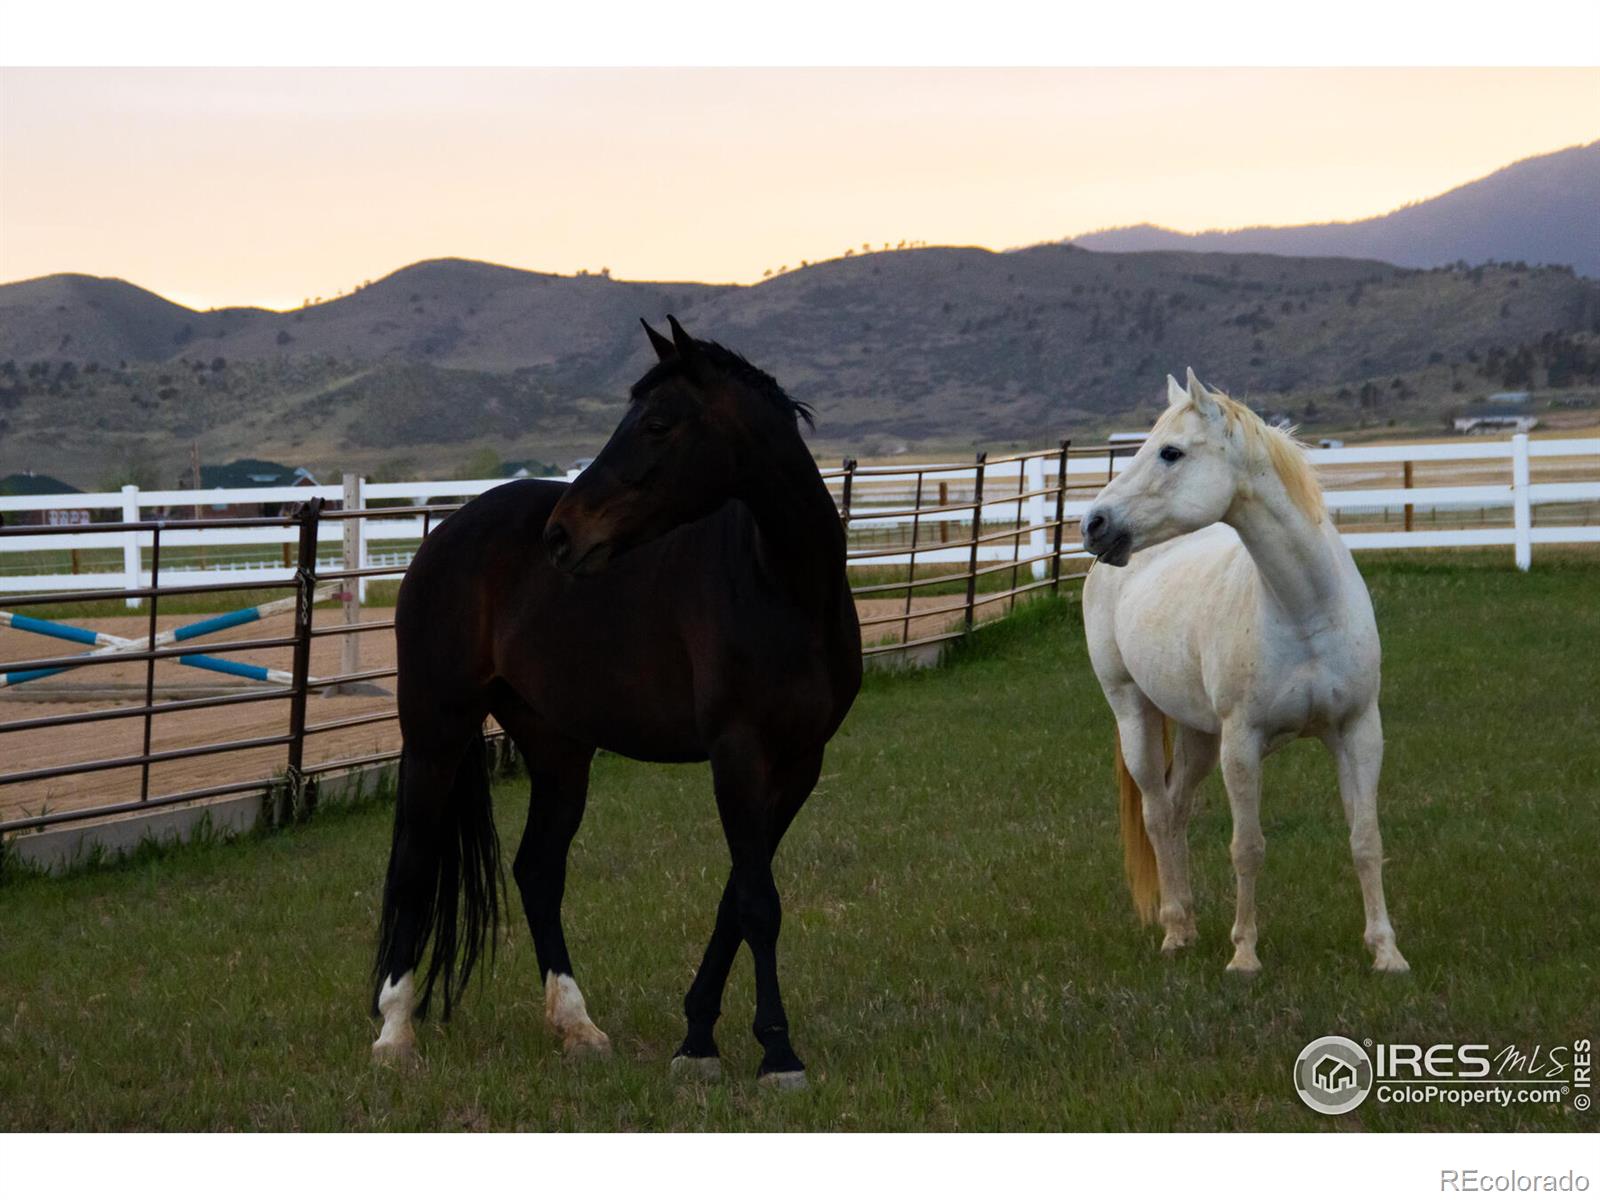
[
  {"x": 117, "y": 738},
  {"x": 121, "y": 737}
]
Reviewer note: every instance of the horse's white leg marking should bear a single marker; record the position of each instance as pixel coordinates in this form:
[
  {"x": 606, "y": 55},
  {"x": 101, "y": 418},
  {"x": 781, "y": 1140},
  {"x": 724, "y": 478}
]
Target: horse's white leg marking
[
  {"x": 1358, "y": 751},
  {"x": 1194, "y": 754},
  {"x": 1241, "y": 771},
  {"x": 396, "y": 1041},
  {"x": 568, "y": 1017}
]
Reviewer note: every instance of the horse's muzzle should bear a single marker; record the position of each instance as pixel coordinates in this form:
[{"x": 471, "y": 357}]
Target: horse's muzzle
[
  {"x": 1105, "y": 540},
  {"x": 566, "y": 557}
]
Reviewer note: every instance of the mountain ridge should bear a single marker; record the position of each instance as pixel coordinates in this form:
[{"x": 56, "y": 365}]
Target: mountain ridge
[{"x": 1540, "y": 209}]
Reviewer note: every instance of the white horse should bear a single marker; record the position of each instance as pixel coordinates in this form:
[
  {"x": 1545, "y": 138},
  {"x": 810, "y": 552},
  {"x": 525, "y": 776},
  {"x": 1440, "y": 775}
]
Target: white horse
[{"x": 1244, "y": 635}]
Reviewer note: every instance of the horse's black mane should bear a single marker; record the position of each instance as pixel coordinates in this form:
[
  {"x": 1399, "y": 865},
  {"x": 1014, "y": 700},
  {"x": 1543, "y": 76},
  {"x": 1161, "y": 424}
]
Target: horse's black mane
[{"x": 737, "y": 366}]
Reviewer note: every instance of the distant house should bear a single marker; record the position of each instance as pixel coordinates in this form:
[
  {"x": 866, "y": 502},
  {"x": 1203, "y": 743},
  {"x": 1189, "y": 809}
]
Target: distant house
[
  {"x": 1126, "y": 439},
  {"x": 530, "y": 468},
  {"x": 1510, "y": 397},
  {"x": 28, "y": 484},
  {"x": 1495, "y": 419},
  {"x": 248, "y": 473},
  {"x": 255, "y": 472},
  {"x": 1330, "y": 443},
  {"x": 581, "y": 464}
]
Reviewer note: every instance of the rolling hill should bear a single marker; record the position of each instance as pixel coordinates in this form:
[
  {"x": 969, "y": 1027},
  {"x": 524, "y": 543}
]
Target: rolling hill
[
  {"x": 940, "y": 348},
  {"x": 1540, "y": 210}
]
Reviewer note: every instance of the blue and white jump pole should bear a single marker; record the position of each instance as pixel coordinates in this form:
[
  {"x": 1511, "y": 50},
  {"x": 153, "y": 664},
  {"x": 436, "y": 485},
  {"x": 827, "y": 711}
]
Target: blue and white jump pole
[{"x": 108, "y": 643}]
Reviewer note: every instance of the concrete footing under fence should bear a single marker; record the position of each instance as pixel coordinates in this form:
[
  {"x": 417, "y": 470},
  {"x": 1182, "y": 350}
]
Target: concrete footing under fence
[
  {"x": 67, "y": 846},
  {"x": 916, "y": 658},
  {"x": 60, "y": 849}
]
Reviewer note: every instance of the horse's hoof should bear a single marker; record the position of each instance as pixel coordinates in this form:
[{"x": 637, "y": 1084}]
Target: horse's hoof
[
  {"x": 567, "y": 1017},
  {"x": 1246, "y": 966},
  {"x": 400, "y": 1052},
  {"x": 1172, "y": 943},
  {"x": 784, "y": 1081},
  {"x": 586, "y": 1043},
  {"x": 706, "y": 1068},
  {"x": 1390, "y": 962}
]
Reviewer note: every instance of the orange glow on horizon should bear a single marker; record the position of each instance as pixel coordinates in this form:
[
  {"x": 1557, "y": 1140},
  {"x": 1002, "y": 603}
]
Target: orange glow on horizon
[{"x": 266, "y": 186}]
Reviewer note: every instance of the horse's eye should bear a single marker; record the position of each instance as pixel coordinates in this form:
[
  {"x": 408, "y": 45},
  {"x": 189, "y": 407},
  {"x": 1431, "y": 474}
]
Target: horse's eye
[
  {"x": 657, "y": 428},
  {"x": 1170, "y": 454}
]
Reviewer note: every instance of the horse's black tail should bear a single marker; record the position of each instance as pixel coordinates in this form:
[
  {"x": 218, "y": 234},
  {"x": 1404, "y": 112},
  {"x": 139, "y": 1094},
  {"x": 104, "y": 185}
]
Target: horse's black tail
[{"x": 445, "y": 849}]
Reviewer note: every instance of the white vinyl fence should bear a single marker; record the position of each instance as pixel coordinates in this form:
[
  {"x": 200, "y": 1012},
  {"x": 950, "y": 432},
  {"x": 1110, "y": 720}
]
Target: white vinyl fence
[
  {"x": 1510, "y": 499},
  {"x": 1509, "y": 495}
]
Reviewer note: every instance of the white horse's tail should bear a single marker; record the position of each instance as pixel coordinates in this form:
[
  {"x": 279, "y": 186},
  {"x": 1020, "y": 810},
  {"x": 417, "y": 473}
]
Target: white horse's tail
[{"x": 1138, "y": 855}]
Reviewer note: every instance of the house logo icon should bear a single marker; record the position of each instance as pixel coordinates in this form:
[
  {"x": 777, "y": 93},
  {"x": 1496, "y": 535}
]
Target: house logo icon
[{"x": 1333, "y": 1075}]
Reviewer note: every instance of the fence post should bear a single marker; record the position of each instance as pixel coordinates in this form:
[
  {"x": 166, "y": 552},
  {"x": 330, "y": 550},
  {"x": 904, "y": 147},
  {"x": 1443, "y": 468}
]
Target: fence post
[
  {"x": 363, "y": 558},
  {"x": 1061, "y": 508},
  {"x": 849, "y": 465},
  {"x": 150, "y": 663},
  {"x": 1521, "y": 506},
  {"x": 354, "y": 590},
  {"x": 292, "y": 803},
  {"x": 911, "y": 567},
  {"x": 1035, "y": 473},
  {"x": 1408, "y": 488},
  {"x": 977, "y": 530},
  {"x": 131, "y": 566}
]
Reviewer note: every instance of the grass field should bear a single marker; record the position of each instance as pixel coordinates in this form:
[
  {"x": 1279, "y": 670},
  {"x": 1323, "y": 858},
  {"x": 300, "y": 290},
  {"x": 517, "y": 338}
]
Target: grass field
[{"x": 959, "y": 951}]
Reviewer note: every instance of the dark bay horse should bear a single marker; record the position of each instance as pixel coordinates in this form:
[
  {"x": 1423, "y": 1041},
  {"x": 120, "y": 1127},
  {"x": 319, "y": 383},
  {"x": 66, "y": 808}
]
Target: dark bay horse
[{"x": 684, "y": 599}]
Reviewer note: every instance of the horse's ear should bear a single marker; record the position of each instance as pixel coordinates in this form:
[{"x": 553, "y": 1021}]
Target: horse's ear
[
  {"x": 685, "y": 346},
  {"x": 662, "y": 346},
  {"x": 1175, "y": 393},
  {"x": 1202, "y": 400},
  {"x": 681, "y": 341}
]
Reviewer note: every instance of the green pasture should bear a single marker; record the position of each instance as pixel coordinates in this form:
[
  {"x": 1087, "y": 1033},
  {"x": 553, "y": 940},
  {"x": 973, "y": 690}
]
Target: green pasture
[{"x": 958, "y": 951}]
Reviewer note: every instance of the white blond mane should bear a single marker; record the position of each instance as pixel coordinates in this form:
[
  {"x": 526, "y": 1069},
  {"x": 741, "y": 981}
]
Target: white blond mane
[{"x": 1278, "y": 446}]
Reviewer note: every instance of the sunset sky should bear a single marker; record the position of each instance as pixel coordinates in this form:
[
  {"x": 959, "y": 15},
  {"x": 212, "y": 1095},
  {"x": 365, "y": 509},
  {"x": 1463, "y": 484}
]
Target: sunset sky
[{"x": 266, "y": 186}]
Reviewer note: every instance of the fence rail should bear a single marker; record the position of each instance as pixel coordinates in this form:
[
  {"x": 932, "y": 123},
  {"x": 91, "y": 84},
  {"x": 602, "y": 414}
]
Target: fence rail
[
  {"x": 885, "y": 498},
  {"x": 934, "y": 550}
]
